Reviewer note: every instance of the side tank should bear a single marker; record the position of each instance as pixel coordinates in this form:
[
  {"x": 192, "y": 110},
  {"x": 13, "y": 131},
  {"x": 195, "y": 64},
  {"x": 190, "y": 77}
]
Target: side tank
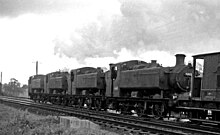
[
  {"x": 57, "y": 82},
  {"x": 134, "y": 75},
  {"x": 87, "y": 80},
  {"x": 146, "y": 76}
]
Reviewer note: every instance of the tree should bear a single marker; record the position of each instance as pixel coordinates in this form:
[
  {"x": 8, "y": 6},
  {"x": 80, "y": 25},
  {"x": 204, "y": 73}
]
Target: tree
[{"x": 13, "y": 88}]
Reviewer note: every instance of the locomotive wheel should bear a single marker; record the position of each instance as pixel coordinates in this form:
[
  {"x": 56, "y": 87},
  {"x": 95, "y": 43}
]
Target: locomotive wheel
[
  {"x": 80, "y": 103},
  {"x": 88, "y": 103},
  {"x": 140, "y": 112},
  {"x": 97, "y": 104},
  {"x": 157, "y": 111}
]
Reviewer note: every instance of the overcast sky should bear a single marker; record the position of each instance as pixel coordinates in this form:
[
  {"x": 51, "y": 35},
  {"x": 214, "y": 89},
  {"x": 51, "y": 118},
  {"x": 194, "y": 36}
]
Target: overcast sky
[{"x": 68, "y": 34}]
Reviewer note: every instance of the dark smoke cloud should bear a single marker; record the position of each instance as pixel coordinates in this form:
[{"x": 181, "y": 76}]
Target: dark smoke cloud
[
  {"x": 14, "y": 8},
  {"x": 184, "y": 25}
]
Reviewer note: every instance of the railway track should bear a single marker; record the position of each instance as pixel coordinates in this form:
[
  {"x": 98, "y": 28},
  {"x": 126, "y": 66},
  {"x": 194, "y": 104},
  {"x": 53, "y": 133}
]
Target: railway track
[{"x": 130, "y": 124}]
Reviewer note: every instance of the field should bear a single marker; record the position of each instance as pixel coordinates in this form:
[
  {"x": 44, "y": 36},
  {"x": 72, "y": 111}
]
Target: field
[{"x": 17, "y": 122}]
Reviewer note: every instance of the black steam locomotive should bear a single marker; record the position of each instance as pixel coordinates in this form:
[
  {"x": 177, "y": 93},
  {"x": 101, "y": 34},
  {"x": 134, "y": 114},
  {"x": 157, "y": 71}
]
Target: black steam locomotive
[{"x": 135, "y": 86}]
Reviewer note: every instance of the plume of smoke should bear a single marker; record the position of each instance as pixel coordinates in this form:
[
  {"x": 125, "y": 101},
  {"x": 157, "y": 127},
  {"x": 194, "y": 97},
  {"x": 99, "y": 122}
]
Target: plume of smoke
[
  {"x": 14, "y": 8},
  {"x": 191, "y": 24},
  {"x": 162, "y": 25},
  {"x": 90, "y": 41}
]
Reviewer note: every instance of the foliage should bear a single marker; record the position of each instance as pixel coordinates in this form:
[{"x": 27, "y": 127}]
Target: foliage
[
  {"x": 17, "y": 122},
  {"x": 13, "y": 88}
]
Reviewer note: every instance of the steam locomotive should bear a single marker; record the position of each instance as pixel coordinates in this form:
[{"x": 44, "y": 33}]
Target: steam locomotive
[{"x": 136, "y": 86}]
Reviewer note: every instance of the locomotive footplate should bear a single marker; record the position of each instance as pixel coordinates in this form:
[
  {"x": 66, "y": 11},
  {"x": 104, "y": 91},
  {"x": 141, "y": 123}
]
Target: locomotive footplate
[
  {"x": 202, "y": 115},
  {"x": 205, "y": 121},
  {"x": 195, "y": 108}
]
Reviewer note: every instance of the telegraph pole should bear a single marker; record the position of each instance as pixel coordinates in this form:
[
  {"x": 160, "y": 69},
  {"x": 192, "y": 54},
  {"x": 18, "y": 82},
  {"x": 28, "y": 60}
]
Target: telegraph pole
[
  {"x": 1, "y": 85},
  {"x": 1, "y": 78},
  {"x": 36, "y": 64},
  {"x": 36, "y": 67}
]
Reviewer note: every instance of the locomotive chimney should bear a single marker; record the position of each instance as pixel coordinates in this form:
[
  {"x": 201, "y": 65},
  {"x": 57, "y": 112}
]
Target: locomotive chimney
[
  {"x": 99, "y": 69},
  {"x": 180, "y": 59},
  {"x": 153, "y": 63}
]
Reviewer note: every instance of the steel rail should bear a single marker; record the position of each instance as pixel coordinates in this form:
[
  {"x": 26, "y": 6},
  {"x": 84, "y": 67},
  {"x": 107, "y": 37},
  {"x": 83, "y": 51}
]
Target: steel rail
[{"x": 119, "y": 120}]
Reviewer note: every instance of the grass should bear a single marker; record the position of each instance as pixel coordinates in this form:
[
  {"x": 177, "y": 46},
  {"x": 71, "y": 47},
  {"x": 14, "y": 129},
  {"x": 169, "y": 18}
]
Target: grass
[{"x": 17, "y": 122}]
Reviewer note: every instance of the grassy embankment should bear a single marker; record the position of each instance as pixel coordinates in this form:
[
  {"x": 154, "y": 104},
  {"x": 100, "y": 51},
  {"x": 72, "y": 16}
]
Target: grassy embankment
[{"x": 17, "y": 122}]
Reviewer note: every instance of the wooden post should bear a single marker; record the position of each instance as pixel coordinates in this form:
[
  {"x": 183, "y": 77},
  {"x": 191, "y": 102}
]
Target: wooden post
[{"x": 36, "y": 67}]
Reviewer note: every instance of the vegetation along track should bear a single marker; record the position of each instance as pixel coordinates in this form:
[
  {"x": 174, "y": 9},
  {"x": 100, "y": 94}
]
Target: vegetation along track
[{"x": 126, "y": 123}]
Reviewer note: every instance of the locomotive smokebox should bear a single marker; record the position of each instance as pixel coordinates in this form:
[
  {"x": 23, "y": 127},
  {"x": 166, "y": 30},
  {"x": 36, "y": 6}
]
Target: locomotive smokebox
[{"x": 180, "y": 58}]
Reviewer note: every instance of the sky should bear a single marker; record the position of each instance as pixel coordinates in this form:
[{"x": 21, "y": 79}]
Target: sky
[{"x": 64, "y": 35}]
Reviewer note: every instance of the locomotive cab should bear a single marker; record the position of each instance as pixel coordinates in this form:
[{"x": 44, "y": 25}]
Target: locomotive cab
[
  {"x": 36, "y": 85},
  {"x": 205, "y": 89},
  {"x": 206, "y": 85}
]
